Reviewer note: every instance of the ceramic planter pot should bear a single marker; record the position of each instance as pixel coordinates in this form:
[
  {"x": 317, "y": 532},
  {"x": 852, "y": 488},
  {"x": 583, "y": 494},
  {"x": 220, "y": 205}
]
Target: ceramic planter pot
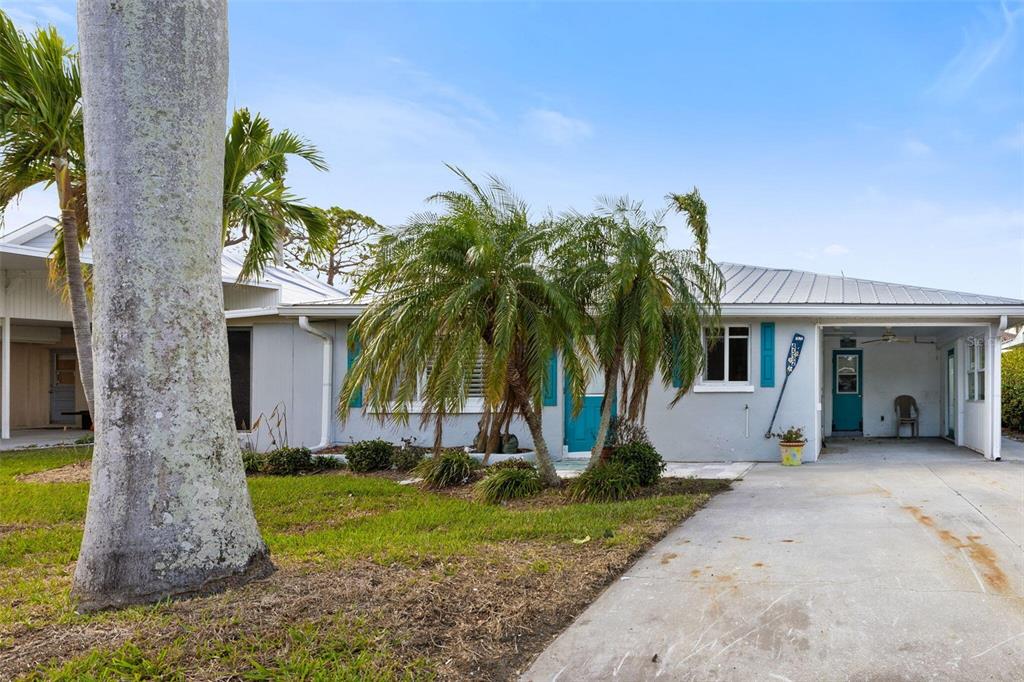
[{"x": 792, "y": 454}]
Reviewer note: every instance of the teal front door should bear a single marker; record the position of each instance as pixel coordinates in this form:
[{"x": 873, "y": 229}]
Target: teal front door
[
  {"x": 581, "y": 429},
  {"x": 847, "y": 390}
]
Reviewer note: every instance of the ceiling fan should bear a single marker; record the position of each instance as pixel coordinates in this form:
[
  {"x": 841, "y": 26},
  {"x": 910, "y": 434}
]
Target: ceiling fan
[{"x": 889, "y": 336}]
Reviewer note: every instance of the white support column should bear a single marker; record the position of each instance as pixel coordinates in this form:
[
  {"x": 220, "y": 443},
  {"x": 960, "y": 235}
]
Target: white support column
[
  {"x": 993, "y": 392},
  {"x": 5, "y": 389}
]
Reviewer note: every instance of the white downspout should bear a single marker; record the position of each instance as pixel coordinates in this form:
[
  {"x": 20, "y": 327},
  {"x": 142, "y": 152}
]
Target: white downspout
[
  {"x": 993, "y": 373},
  {"x": 325, "y": 399}
]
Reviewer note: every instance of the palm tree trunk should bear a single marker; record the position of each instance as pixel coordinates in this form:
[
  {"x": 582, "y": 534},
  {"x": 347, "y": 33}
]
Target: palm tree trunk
[
  {"x": 169, "y": 512},
  {"x": 610, "y": 381},
  {"x": 80, "y": 315},
  {"x": 533, "y": 422}
]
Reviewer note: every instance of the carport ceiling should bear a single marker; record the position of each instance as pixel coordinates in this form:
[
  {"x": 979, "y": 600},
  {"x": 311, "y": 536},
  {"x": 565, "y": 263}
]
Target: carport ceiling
[{"x": 875, "y": 332}]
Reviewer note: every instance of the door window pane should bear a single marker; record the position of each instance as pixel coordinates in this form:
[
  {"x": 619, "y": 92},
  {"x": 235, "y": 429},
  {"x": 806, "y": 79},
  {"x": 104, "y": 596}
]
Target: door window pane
[{"x": 847, "y": 374}]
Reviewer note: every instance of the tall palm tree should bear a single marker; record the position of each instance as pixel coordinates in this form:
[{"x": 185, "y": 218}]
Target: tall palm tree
[
  {"x": 169, "y": 511},
  {"x": 648, "y": 303},
  {"x": 258, "y": 207},
  {"x": 41, "y": 143},
  {"x": 460, "y": 292}
]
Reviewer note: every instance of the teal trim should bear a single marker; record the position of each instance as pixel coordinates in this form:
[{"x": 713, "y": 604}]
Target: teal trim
[
  {"x": 550, "y": 397},
  {"x": 354, "y": 348},
  {"x": 767, "y": 354},
  {"x": 848, "y": 408}
]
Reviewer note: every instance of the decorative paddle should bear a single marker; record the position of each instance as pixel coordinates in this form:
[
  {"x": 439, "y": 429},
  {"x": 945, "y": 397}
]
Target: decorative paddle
[{"x": 795, "y": 346}]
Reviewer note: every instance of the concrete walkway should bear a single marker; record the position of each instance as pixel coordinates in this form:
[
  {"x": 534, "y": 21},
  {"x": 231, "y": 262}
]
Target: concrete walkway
[
  {"x": 40, "y": 438},
  {"x": 883, "y": 561}
]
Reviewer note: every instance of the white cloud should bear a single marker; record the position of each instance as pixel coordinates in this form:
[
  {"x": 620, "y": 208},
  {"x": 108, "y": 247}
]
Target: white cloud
[
  {"x": 915, "y": 147},
  {"x": 985, "y": 44},
  {"x": 835, "y": 250},
  {"x": 1014, "y": 141},
  {"x": 32, "y": 204},
  {"x": 556, "y": 128},
  {"x": 27, "y": 16}
]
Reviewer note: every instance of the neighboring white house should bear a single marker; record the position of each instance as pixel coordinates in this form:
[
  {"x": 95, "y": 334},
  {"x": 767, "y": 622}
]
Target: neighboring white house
[
  {"x": 864, "y": 344},
  {"x": 39, "y": 383}
]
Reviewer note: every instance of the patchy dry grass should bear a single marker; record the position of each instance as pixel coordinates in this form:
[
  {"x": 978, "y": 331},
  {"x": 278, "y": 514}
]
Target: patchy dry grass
[{"x": 376, "y": 581}]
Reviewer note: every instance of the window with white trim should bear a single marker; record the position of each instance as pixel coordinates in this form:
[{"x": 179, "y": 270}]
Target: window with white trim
[
  {"x": 475, "y": 390},
  {"x": 976, "y": 369},
  {"x": 727, "y": 355}
]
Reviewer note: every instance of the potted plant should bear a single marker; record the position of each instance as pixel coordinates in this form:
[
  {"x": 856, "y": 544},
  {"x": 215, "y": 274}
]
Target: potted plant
[{"x": 791, "y": 446}]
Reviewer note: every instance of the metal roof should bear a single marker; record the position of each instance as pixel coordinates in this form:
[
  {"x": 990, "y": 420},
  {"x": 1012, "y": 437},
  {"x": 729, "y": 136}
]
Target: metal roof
[{"x": 746, "y": 284}]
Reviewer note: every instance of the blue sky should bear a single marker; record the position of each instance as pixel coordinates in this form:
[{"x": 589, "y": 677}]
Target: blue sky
[{"x": 881, "y": 140}]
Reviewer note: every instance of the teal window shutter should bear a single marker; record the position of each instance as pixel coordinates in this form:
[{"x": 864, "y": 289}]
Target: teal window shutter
[
  {"x": 551, "y": 382},
  {"x": 767, "y": 354},
  {"x": 354, "y": 348},
  {"x": 677, "y": 370}
]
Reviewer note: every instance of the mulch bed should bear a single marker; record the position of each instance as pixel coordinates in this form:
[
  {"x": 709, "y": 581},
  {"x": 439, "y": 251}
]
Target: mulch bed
[
  {"x": 76, "y": 472},
  {"x": 480, "y": 617}
]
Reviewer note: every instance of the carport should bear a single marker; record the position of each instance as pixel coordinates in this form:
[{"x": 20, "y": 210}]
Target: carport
[{"x": 951, "y": 369}]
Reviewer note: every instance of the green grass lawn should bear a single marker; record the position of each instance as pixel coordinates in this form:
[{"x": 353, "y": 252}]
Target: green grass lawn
[{"x": 356, "y": 550}]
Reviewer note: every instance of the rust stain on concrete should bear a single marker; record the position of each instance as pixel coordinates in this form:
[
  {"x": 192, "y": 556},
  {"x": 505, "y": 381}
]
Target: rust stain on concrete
[
  {"x": 980, "y": 554},
  {"x": 758, "y": 564},
  {"x": 667, "y": 557},
  {"x": 694, "y": 573},
  {"x": 920, "y": 516},
  {"x": 740, "y": 537}
]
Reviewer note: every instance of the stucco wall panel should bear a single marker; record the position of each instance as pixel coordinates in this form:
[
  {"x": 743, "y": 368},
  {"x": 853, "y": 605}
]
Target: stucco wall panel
[{"x": 731, "y": 426}]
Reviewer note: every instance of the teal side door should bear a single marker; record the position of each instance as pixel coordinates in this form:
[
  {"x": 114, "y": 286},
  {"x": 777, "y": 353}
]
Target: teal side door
[
  {"x": 847, "y": 390},
  {"x": 581, "y": 429}
]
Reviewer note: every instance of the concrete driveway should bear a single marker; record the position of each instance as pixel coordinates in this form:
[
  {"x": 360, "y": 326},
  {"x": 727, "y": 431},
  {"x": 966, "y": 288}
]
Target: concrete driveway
[{"x": 883, "y": 561}]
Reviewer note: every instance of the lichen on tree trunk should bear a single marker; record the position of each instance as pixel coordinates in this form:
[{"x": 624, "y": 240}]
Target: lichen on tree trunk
[{"x": 169, "y": 511}]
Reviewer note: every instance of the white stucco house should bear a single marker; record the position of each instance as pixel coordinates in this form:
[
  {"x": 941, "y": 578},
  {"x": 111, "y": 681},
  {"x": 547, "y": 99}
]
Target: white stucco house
[{"x": 864, "y": 344}]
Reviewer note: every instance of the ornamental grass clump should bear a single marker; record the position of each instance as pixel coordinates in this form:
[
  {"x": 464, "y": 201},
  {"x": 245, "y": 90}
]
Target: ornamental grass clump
[
  {"x": 509, "y": 483},
  {"x": 604, "y": 482},
  {"x": 450, "y": 468},
  {"x": 512, "y": 463}
]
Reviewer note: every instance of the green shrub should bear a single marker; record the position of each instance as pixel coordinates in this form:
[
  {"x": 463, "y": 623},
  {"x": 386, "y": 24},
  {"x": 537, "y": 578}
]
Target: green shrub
[
  {"x": 450, "y": 468},
  {"x": 369, "y": 455},
  {"x": 252, "y": 460},
  {"x": 512, "y": 463},
  {"x": 642, "y": 459},
  {"x": 509, "y": 483},
  {"x": 325, "y": 462},
  {"x": 604, "y": 482},
  {"x": 407, "y": 458},
  {"x": 1013, "y": 389},
  {"x": 285, "y": 461}
]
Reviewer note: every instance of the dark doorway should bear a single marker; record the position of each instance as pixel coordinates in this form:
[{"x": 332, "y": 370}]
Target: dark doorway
[{"x": 240, "y": 365}]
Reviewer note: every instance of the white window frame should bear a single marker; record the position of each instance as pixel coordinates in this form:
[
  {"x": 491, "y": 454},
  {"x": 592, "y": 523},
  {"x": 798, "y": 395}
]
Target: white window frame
[
  {"x": 705, "y": 385},
  {"x": 474, "y": 405},
  {"x": 975, "y": 369}
]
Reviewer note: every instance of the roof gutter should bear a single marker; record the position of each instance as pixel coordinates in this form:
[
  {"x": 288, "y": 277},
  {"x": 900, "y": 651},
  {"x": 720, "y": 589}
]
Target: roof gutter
[
  {"x": 982, "y": 313},
  {"x": 935, "y": 311},
  {"x": 328, "y": 372}
]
